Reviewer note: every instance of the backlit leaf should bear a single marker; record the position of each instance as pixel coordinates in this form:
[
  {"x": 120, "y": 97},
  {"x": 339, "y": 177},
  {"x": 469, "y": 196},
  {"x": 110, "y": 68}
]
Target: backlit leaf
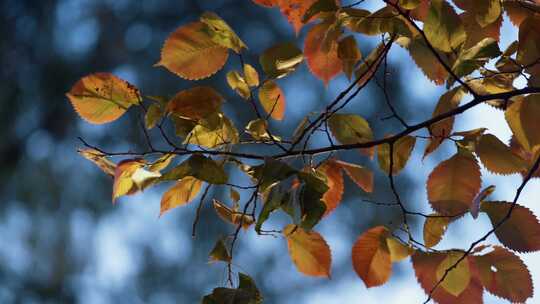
[
  {"x": 349, "y": 54},
  {"x": 426, "y": 61},
  {"x": 398, "y": 250},
  {"x": 99, "y": 159},
  {"x": 153, "y": 115},
  {"x": 458, "y": 278},
  {"x": 402, "y": 150},
  {"x": 221, "y": 33},
  {"x": 220, "y": 252},
  {"x": 239, "y": 84},
  {"x": 210, "y": 136},
  {"x": 361, "y": 176},
  {"x": 323, "y": 63},
  {"x": 200, "y": 167},
  {"x": 505, "y": 275},
  {"x": 295, "y": 10},
  {"x": 123, "y": 182},
  {"x": 233, "y": 215},
  {"x": 190, "y": 52},
  {"x": 102, "y": 97},
  {"x": 476, "y": 33},
  {"x": 522, "y": 117},
  {"x": 453, "y": 184},
  {"x": 371, "y": 257},
  {"x": 309, "y": 251},
  {"x": 183, "y": 192},
  {"x": 521, "y": 232},
  {"x": 195, "y": 103},
  {"x": 497, "y": 157},
  {"x": 334, "y": 179},
  {"x": 272, "y": 100},
  {"x": 471, "y": 59},
  {"x": 434, "y": 228},
  {"x": 281, "y": 60},
  {"x": 350, "y": 128},
  {"x": 443, "y": 26},
  {"x": 251, "y": 75}
]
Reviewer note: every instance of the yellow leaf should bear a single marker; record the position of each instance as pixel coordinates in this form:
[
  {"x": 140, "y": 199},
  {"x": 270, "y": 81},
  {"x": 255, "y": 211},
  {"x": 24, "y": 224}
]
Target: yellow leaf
[
  {"x": 272, "y": 99},
  {"x": 238, "y": 83},
  {"x": 426, "y": 61},
  {"x": 233, "y": 216},
  {"x": 522, "y": 117},
  {"x": 251, "y": 75},
  {"x": 191, "y": 53},
  {"x": 215, "y": 134},
  {"x": 221, "y": 33},
  {"x": 443, "y": 26},
  {"x": 183, "y": 192},
  {"x": 102, "y": 97},
  {"x": 220, "y": 252},
  {"x": 280, "y": 60},
  {"x": 434, "y": 228},
  {"x": 371, "y": 257},
  {"x": 497, "y": 157},
  {"x": 153, "y": 115},
  {"x": 350, "y": 128},
  {"x": 458, "y": 278},
  {"x": 123, "y": 182},
  {"x": 453, "y": 184},
  {"x": 403, "y": 148},
  {"x": 258, "y": 129},
  {"x": 99, "y": 159},
  {"x": 195, "y": 103},
  {"x": 309, "y": 251},
  {"x": 398, "y": 250},
  {"x": 162, "y": 162}
]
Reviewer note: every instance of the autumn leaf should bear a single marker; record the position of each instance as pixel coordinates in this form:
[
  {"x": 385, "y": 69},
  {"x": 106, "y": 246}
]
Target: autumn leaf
[
  {"x": 522, "y": 117},
  {"x": 99, "y": 159},
  {"x": 427, "y": 61},
  {"x": 258, "y": 129},
  {"x": 220, "y": 253},
  {"x": 334, "y": 179},
  {"x": 102, "y": 97},
  {"x": 199, "y": 166},
  {"x": 458, "y": 278},
  {"x": 183, "y": 192},
  {"x": 443, "y": 26},
  {"x": 498, "y": 157},
  {"x": 349, "y": 54},
  {"x": 371, "y": 257},
  {"x": 434, "y": 228},
  {"x": 361, "y": 176},
  {"x": 398, "y": 251},
  {"x": 195, "y": 103},
  {"x": 218, "y": 130},
  {"x": 309, "y": 251},
  {"x": 123, "y": 182},
  {"x": 520, "y": 232},
  {"x": 239, "y": 84},
  {"x": 294, "y": 11},
  {"x": 453, "y": 184},
  {"x": 251, "y": 75},
  {"x": 233, "y": 215},
  {"x": 350, "y": 128},
  {"x": 272, "y": 100},
  {"x": 280, "y": 60},
  {"x": 505, "y": 275},
  {"x": 191, "y": 53},
  {"x": 153, "y": 116},
  {"x": 221, "y": 33},
  {"x": 402, "y": 150},
  {"x": 324, "y": 64}
]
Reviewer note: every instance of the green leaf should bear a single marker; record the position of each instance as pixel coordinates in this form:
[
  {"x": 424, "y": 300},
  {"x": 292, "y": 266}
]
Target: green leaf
[
  {"x": 350, "y": 128},
  {"x": 275, "y": 199},
  {"x": 443, "y": 26},
  {"x": 312, "y": 207},
  {"x": 409, "y": 4},
  {"x": 281, "y": 60},
  {"x": 200, "y": 167},
  {"x": 271, "y": 172}
]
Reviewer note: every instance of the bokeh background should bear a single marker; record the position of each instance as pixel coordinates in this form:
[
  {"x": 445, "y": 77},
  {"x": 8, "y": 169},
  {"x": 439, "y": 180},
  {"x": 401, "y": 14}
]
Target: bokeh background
[{"x": 61, "y": 239}]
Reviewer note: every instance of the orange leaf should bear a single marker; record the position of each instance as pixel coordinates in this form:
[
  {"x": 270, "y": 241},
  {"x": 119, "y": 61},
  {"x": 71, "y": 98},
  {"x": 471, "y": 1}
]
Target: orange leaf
[
  {"x": 294, "y": 10},
  {"x": 521, "y": 232},
  {"x": 453, "y": 184},
  {"x": 183, "y": 192},
  {"x": 102, "y": 97},
  {"x": 425, "y": 267},
  {"x": 325, "y": 65},
  {"x": 232, "y": 216},
  {"x": 334, "y": 180},
  {"x": 309, "y": 251},
  {"x": 434, "y": 229},
  {"x": 371, "y": 257},
  {"x": 195, "y": 103},
  {"x": 272, "y": 99},
  {"x": 123, "y": 183},
  {"x": 505, "y": 275},
  {"x": 266, "y": 3},
  {"x": 190, "y": 53},
  {"x": 361, "y": 176}
]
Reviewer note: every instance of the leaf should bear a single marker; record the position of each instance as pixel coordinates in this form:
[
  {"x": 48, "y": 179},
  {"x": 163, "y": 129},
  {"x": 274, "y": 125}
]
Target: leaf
[
  {"x": 153, "y": 116},
  {"x": 519, "y": 10},
  {"x": 487, "y": 11},
  {"x": 442, "y": 129},
  {"x": 476, "y": 33},
  {"x": 258, "y": 129},
  {"x": 398, "y": 250},
  {"x": 195, "y": 103},
  {"x": 349, "y": 54},
  {"x": 530, "y": 158},
  {"x": 521, "y": 232},
  {"x": 443, "y": 27},
  {"x": 200, "y": 167},
  {"x": 426, "y": 61},
  {"x": 522, "y": 117},
  {"x": 161, "y": 163},
  {"x": 385, "y": 20},
  {"x": 295, "y": 10},
  {"x": 505, "y": 275},
  {"x": 246, "y": 293},
  {"x": 471, "y": 59},
  {"x": 409, "y": 4},
  {"x": 371, "y": 257},
  {"x": 102, "y": 97},
  {"x": 528, "y": 53},
  {"x": 238, "y": 83},
  {"x": 233, "y": 216},
  {"x": 221, "y": 33},
  {"x": 190, "y": 52},
  {"x": 272, "y": 100},
  {"x": 334, "y": 180},
  {"x": 276, "y": 198},
  {"x": 183, "y": 192},
  {"x": 123, "y": 182},
  {"x": 211, "y": 136},
  {"x": 320, "y": 6},
  {"x": 220, "y": 252},
  {"x": 310, "y": 198},
  {"x": 477, "y": 202},
  {"x": 270, "y": 172},
  {"x": 402, "y": 150},
  {"x": 309, "y": 251},
  {"x": 453, "y": 184},
  {"x": 425, "y": 267},
  {"x": 324, "y": 64},
  {"x": 498, "y": 157},
  {"x": 350, "y": 128},
  {"x": 366, "y": 71},
  {"x": 359, "y": 175},
  {"x": 251, "y": 75},
  {"x": 458, "y": 278},
  {"x": 99, "y": 159},
  {"x": 280, "y": 60},
  {"x": 434, "y": 228}
]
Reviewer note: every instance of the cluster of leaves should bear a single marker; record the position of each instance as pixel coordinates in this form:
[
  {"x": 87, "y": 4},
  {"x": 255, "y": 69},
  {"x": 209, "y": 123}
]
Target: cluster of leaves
[{"x": 459, "y": 50}]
